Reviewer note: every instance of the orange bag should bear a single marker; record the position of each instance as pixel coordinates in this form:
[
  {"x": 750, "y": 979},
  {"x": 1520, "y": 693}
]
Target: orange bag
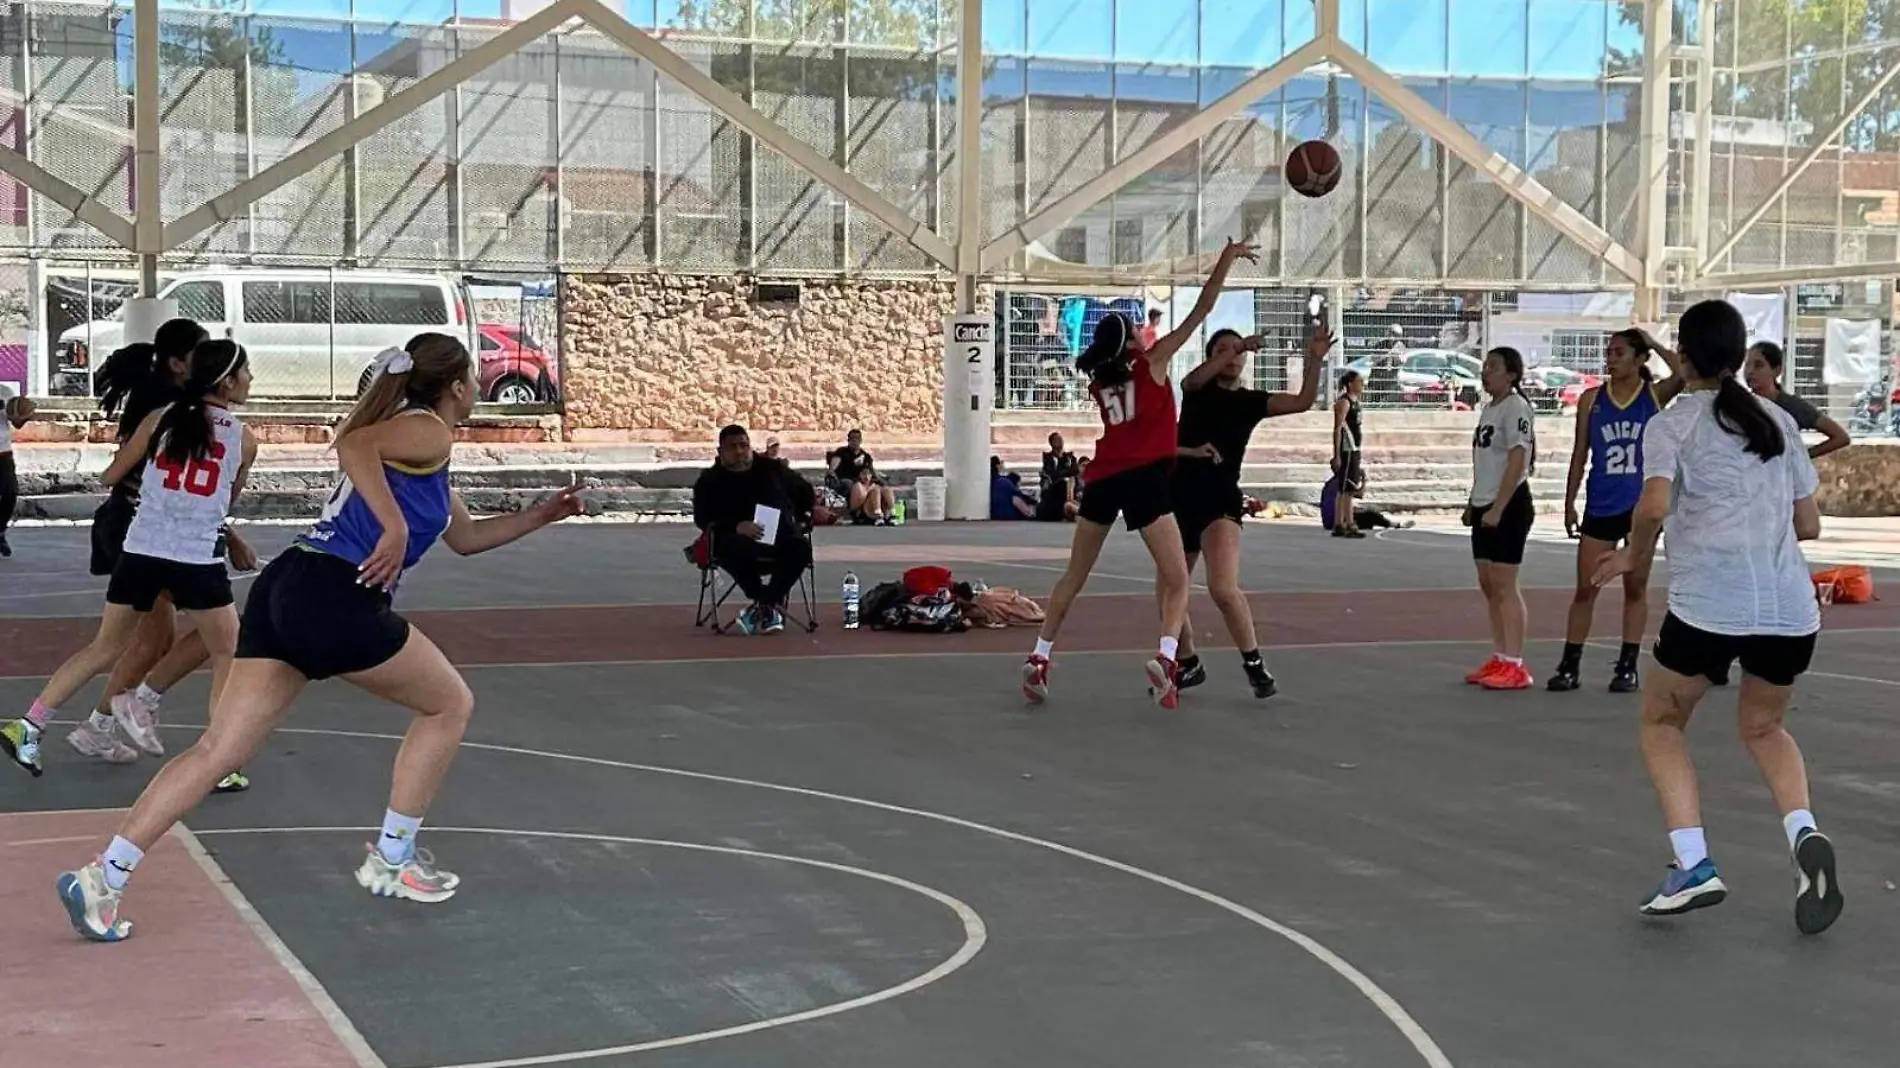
[{"x": 1853, "y": 584}]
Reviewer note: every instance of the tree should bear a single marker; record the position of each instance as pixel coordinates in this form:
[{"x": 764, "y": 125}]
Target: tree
[{"x": 1827, "y": 64}]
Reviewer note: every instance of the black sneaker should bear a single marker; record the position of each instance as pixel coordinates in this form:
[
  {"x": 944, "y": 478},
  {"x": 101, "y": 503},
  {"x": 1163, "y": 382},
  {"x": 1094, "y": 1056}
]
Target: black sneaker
[
  {"x": 5, "y": 549},
  {"x": 1262, "y": 681},
  {"x": 1564, "y": 680},
  {"x": 1193, "y": 673},
  {"x": 1818, "y": 900},
  {"x": 1626, "y": 680}
]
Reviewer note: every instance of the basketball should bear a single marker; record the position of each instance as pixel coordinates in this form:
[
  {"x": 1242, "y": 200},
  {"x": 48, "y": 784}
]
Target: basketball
[{"x": 1313, "y": 168}]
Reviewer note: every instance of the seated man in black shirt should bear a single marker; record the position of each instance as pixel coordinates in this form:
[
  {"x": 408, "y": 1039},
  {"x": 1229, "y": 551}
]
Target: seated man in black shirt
[{"x": 726, "y": 500}]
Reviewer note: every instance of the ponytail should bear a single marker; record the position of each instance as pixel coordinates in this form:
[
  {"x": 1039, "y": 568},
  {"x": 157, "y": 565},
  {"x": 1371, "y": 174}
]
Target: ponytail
[
  {"x": 1739, "y": 412},
  {"x": 136, "y": 380},
  {"x": 184, "y": 431},
  {"x": 414, "y": 376},
  {"x": 1714, "y": 340}
]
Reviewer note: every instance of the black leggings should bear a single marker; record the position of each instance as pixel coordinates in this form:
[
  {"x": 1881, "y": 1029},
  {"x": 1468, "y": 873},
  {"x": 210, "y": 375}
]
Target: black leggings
[{"x": 9, "y": 489}]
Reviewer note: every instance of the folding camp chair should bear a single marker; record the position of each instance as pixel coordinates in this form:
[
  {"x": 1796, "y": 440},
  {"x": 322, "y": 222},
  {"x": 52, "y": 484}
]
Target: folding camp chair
[{"x": 715, "y": 586}]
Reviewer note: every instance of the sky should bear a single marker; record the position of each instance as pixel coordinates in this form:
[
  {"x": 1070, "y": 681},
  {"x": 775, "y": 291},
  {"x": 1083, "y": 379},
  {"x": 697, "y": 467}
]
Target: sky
[{"x": 1550, "y": 39}]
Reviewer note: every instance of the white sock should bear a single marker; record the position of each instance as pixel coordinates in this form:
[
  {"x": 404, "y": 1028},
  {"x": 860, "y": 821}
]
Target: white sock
[
  {"x": 1514, "y": 661},
  {"x": 99, "y": 721},
  {"x": 120, "y": 858},
  {"x": 1795, "y": 822},
  {"x": 1169, "y": 646},
  {"x": 1044, "y": 648},
  {"x": 149, "y": 696},
  {"x": 399, "y": 836},
  {"x": 1690, "y": 846}
]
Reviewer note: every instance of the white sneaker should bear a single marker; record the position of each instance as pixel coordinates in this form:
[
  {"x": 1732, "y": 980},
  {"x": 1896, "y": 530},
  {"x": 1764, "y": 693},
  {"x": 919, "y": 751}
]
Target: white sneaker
[
  {"x": 415, "y": 879},
  {"x": 93, "y": 906},
  {"x": 102, "y": 744},
  {"x": 139, "y": 722}
]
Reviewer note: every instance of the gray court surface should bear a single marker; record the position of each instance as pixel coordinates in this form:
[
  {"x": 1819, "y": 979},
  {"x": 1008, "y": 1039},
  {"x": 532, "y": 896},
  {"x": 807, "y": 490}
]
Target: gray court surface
[{"x": 1378, "y": 867}]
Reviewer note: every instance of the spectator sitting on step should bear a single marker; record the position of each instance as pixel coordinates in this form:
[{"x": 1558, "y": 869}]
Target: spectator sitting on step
[
  {"x": 1007, "y": 499},
  {"x": 771, "y": 449},
  {"x": 726, "y": 500},
  {"x": 872, "y": 502},
  {"x": 1057, "y": 500},
  {"x": 843, "y": 463}
]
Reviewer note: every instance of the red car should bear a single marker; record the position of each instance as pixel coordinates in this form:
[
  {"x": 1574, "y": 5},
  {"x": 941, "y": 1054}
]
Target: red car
[{"x": 514, "y": 369}]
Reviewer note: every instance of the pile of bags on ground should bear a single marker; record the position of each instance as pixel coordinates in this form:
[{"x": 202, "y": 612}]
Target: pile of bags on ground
[{"x": 929, "y": 600}]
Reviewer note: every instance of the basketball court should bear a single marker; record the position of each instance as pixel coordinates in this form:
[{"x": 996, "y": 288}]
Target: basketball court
[{"x": 858, "y": 848}]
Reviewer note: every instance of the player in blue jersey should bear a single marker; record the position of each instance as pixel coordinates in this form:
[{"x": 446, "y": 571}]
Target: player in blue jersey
[
  {"x": 322, "y": 609},
  {"x": 1611, "y": 418}
]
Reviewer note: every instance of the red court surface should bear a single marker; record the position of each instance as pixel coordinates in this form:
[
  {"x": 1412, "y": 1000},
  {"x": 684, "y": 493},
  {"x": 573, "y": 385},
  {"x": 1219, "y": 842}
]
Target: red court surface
[
  {"x": 194, "y": 986},
  {"x": 1100, "y": 623}
]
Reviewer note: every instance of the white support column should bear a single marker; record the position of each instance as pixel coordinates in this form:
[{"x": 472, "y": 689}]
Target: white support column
[
  {"x": 1821, "y": 144},
  {"x": 1508, "y": 176},
  {"x": 969, "y": 341},
  {"x": 149, "y": 219},
  {"x": 1652, "y": 157},
  {"x": 1148, "y": 157},
  {"x": 1704, "y": 158},
  {"x": 764, "y": 131}
]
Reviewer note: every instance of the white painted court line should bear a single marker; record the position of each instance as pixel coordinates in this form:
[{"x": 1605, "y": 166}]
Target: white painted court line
[
  {"x": 1384, "y": 1003},
  {"x": 320, "y": 1000},
  {"x": 975, "y": 936}
]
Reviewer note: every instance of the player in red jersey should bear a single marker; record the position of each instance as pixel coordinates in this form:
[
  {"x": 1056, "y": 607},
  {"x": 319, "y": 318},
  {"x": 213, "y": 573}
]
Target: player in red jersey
[{"x": 1129, "y": 477}]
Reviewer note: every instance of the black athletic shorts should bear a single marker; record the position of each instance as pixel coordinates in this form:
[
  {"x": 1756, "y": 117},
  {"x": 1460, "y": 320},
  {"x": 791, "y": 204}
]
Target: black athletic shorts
[
  {"x": 307, "y": 611},
  {"x": 1139, "y": 495},
  {"x": 1504, "y": 543},
  {"x": 1352, "y": 475},
  {"x": 1201, "y": 497},
  {"x": 139, "y": 581},
  {"x": 1611, "y": 528},
  {"x": 1776, "y": 659}
]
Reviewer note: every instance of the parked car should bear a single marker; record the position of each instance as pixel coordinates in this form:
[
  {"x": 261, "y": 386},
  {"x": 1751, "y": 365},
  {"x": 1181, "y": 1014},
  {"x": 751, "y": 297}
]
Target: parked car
[
  {"x": 1552, "y": 388},
  {"x": 298, "y": 347},
  {"x": 514, "y": 367},
  {"x": 1432, "y": 377}
]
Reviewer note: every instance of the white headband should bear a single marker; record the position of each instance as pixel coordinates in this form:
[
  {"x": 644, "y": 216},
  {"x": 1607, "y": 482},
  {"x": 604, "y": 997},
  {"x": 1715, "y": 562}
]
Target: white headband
[
  {"x": 393, "y": 361},
  {"x": 237, "y": 353}
]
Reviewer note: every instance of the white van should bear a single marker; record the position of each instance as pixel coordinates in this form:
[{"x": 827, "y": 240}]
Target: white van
[{"x": 283, "y": 317}]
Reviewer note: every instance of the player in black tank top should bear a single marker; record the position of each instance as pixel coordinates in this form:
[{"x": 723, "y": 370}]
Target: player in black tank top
[
  {"x": 1348, "y": 441},
  {"x": 1218, "y": 417}
]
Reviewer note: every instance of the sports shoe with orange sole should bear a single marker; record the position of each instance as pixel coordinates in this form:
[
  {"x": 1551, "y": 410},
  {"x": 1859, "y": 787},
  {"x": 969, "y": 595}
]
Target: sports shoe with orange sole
[{"x": 1509, "y": 677}]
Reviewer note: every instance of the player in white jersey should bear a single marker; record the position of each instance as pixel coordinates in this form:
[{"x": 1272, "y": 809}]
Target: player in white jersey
[{"x": 195, "y": 456}]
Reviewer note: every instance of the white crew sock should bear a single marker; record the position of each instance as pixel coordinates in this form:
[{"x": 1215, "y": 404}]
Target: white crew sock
[
  {"x": 1795, "y": 822},
  {"x": 1044, "y": 648},
  {"x": 1169, "y": 646},
  {"x": 120, "y": 859},
  {"x": 99, "y": 721},
  {"x": 1690, "y": 846},
  {"x": 398, "y": 842},
  {"x": 149, "y": 696}
]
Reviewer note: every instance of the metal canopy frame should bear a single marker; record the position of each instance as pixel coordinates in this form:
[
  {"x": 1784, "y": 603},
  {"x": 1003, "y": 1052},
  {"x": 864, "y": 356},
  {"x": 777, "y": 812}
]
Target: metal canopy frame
[{"x": 970, "y": 258}]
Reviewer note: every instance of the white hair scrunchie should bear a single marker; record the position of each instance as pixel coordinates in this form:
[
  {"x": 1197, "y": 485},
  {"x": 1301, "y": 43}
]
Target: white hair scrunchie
[{"x": 393, "y": 361}]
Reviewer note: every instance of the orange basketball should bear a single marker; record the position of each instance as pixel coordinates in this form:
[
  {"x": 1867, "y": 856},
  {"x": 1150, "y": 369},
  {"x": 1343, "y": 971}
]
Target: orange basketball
[{"x": 1313, "y": 168}]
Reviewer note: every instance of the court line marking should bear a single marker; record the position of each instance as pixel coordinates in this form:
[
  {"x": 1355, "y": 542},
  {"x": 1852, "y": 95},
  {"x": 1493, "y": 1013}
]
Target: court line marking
[
  {"x": 957, "y": 654},
  {"x": 1606, "y": 646},
  {"x": 99, "y": 591},
  {"x": 340, "y": 1025},
  {"x": 975, "y": 936},
  {"x": 1385, "y": 1003}
]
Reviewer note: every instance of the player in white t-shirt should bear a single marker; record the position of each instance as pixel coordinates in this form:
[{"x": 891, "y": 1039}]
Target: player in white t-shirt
[
  {"x": 15, "y": 410},
  {"x": 1727, "y": 471},
  {"x": 194, "y": 455},
  {"x": 1503, "y": 454}
]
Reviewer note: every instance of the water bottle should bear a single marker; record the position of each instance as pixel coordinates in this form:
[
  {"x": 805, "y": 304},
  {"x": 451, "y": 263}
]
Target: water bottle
[
  {"x": 850, "y": 600},
  {"x": 897, "y": 513}
]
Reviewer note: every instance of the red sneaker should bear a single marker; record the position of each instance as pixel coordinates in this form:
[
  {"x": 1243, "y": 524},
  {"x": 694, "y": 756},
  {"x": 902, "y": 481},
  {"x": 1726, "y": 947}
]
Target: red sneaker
[
  {"x": 1036, "y": 679},
  {"x": 1163, "y": 676},
  {"x": 1485, "y": 671},
  {"x": 1509, "y": 677}
]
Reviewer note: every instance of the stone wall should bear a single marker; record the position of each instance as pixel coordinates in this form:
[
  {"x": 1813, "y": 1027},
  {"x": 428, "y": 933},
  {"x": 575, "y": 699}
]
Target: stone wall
[
  {"x": 1861, "y": 480},
  {"x": 662, "y": 357}
]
